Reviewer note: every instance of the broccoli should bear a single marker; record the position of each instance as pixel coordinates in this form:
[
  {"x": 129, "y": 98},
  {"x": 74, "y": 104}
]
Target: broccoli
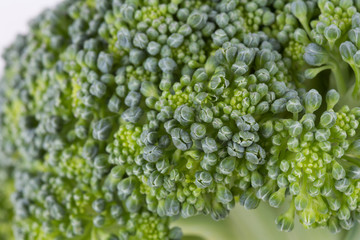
[{"x": 131, "y": 119}]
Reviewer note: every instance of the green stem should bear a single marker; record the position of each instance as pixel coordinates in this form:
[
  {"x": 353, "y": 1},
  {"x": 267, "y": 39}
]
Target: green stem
[
  {"x": 304, "y": 23},
  {"x": 338, "y": 74},
  {"x": 357, "y": 81}
]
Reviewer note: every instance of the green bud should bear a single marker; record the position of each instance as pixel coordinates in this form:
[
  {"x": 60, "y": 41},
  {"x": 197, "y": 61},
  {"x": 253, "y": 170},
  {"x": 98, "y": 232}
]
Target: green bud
[
  {"x": 332, "y": 98},
  {"x": 239, "y": 68},
  {"x": 333, "y": 225},
  {"x": 99, "y": 205},
  {"x": 132, "y": 99},
  {"x": 126, "y": 187},
  {"x": 155, "y": 179},
  {"x": 308, "y": 216},
  {"x": 263, "y": 56},
  {"x": 347, "y": 51},
  {"x": 152, "y": 153},
  {"x": 209, "y": 145},
  {"x": 153, "y": 48},
  {"x": 354, "y": 36},
  {"x": 285, "y": 222},
  {"x": 223, "y": 195},
  {"x": 105, "y": 62},
  {"x": 175, "y": 233},
  {"x": 200, "y": 75},
  {"x": 345, "y": 4},
  {"x": 293, "y": 143},
  {"x": 249, "y": 200},
  {"x": 181, "y": 139},
  {"x": 124, "y": 38},
  {"x": 308, "y": 121},
  {"x": 312, "y": 101},
  {"x": 218, "y": 211},
  {"x": 184, "y": 115},
  {"x": 99, "y": 221},
  {"x": 332, "y": 33},
  {"x": 198, "y": 131},
  {"x": 294, "y": 188},
  {"x": 301, "y": 36},
  {"x": 294, "y": 106},
  {"x": 264, "y": 191},
  {"x": 197, "y": 19},
  {"x": 299, "y": 10},
  {"x": 102, "y": 129},
  {"x": 132, "y": 114},
  {"x": 256, "y": 179},
  {"x": 322, "y": 135},
  {"x": 227, "y": 165},
  {"x": 347, "y": 224},
  {"x": 328, "y": 119},
  {"x": 114, "y": 104},
  {"x": 136, "y": 56},
  {"x": 167, "y": 65},
  {"x": 355, "y": 20},
  {"x": 301, "y": 202},
  {"x": 267, "y": 129},
  {"x": 295, "y": 129},
  {"x": 101, "y": 162},
  {"x": 219, "y": 37},
  {"x": 277, "y": 198},
  {"x": 356, "y": 58},
  {"x": 338, "y": 172},
  {"x": 222, "y": 20},
  {"x": 133, "y": 203},
  {"x": 203, "y": 179},
  {"x": 225, "y": 134},
  {"x": 175, "y": 40},
  {"x": 140, "y": 40},
  {"x": 316, "y": 55},
  {"x": 344, "y": 213},
  {"x": 342, "y": 184},
  {"x": 333, "y": 203},
  {"x": 262, "y": 75},
  {"x": 268, "y": 18},
  {"x": 279, "y": 105},
  {"x": 206, "y": 115}
]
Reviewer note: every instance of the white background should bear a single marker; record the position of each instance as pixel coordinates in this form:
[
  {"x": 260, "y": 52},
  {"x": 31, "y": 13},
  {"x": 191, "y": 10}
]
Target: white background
[{"x": 14, "y": 16}]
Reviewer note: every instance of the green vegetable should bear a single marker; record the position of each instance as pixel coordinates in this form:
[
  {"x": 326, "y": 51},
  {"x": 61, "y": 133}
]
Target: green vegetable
[{"x": 124, "y": 119}]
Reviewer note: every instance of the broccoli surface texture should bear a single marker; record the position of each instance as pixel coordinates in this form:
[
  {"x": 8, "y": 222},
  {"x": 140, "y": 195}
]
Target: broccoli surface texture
[{"x": 140, "y": 120}]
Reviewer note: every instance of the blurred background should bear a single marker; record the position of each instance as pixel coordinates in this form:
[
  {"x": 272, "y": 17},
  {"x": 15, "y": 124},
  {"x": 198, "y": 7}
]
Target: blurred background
[{"x": 14, "y": 16}]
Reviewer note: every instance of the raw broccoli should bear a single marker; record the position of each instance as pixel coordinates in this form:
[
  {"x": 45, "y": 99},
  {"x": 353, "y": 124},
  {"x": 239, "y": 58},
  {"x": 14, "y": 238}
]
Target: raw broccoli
[{"x": 129, "y": 119}]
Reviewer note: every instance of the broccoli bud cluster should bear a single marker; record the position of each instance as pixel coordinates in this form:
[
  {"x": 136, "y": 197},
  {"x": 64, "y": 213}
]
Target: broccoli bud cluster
[{"x": 119, "y": 116}]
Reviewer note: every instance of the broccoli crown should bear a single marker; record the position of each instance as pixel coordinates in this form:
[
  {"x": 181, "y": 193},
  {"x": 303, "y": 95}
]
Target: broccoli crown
[{"x": 119, "y": 116}]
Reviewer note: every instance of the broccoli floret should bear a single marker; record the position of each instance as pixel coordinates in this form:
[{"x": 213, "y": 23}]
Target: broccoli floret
[{"x": 118, "y": 117}]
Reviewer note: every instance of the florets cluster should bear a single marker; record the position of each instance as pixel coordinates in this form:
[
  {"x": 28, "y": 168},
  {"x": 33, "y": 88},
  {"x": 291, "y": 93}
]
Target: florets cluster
[{"x": 119, "y": 116}]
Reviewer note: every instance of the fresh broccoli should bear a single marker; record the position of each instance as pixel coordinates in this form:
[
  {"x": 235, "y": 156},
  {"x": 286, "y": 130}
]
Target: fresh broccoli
[{"x": 129, "y": 119}]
